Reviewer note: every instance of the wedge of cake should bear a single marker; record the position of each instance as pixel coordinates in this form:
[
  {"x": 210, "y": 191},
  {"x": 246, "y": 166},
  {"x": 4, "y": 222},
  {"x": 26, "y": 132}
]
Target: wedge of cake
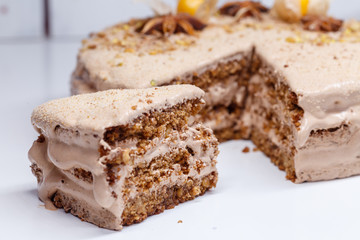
[
  {"x": 113, "y": 158},
  {"x": 293, "y": 88}
]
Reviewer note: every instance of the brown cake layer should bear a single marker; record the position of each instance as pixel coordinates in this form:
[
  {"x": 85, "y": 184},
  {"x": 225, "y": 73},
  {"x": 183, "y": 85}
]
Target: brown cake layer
[
  {"x": 150, "y": 203},
  {"x": 276, "y": 116},
  {"x": 137, "y": 210},
  {"x": 154, "y": 123}
]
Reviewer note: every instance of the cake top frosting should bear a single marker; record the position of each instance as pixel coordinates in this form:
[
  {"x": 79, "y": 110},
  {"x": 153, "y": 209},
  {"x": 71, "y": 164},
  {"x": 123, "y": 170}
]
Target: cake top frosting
[
  {"x": 95, "y": 112},
  {"x": 120, "y": 57},
  {"x": 313, "y": 63}
]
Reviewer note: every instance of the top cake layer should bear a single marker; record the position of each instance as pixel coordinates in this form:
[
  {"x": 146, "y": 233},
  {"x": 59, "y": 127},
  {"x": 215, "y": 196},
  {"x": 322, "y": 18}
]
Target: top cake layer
[{"x": 112, "y": 108}]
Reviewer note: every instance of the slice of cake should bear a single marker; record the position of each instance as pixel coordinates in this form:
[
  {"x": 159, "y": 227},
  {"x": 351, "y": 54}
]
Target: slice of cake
[
  {"x": 294, "y": 89},
  {"x": 113, "y": 158}
]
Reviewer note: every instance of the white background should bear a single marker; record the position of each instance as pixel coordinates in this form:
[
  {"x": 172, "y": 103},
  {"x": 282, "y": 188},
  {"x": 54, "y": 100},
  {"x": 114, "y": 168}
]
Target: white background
[{"x": 252, "y": 201}]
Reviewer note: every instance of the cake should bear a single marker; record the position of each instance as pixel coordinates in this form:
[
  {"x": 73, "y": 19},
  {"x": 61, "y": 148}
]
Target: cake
[
  {"x": 114, "y": 157},
  {"x": 292, "y": 88}
]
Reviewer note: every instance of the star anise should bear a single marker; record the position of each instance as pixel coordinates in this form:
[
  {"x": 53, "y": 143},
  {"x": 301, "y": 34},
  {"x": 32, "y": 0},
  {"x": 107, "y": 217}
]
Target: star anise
[
  {"x": 243, "y": 9},
  {"x": 321, "y": 23},
  {"x": 171, "y": 24}
]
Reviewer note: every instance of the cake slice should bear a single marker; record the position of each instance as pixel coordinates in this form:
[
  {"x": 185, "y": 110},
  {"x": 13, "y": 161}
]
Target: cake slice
[{"x": 113, "y": 158}]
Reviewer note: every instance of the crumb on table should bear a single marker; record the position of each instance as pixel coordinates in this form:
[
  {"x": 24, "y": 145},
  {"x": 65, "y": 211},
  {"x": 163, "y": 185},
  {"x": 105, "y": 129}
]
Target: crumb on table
[{"x": 246, "y": 149}]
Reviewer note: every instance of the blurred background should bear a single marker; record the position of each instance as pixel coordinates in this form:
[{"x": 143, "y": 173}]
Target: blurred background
[
  {"x": 39, "y": 39},
  {"x": 35, "y": 19}
]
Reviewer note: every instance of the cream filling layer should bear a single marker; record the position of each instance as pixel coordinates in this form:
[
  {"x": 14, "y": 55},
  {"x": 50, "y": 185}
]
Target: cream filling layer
[
  {"x": 318, "y": 118},
  {"x": 225, "y": 93},
  {"x": 55, "y": 158}
]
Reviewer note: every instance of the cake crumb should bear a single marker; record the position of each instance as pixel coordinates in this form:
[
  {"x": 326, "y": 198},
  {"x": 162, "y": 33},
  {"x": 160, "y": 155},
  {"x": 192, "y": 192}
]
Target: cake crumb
[
  {"x": 180, "y": 221},
  {"x": 246, "y": 150},
  {"x": 255, "y": 149}
]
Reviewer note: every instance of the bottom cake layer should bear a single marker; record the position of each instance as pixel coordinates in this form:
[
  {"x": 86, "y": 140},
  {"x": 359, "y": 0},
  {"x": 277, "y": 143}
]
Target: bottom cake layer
[{"x": 137, "y": 208}]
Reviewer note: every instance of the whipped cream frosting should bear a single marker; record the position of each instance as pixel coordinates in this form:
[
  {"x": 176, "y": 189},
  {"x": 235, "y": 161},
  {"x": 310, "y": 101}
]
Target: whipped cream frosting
[{"x": 329, "y": 157}]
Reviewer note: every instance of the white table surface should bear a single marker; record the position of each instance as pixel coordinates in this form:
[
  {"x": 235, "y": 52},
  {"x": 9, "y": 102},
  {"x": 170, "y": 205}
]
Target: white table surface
[{"x": 252, "y": 200}]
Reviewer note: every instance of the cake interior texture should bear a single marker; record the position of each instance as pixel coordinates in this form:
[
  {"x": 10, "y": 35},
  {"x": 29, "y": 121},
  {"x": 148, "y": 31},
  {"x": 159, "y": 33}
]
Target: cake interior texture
[{"x": 132, "y": 171}]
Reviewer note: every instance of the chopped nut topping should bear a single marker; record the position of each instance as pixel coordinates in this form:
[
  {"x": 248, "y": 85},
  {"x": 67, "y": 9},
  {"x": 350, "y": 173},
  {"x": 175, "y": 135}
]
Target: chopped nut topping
[
  {"x": 243, "y": 9},
  {"x": 153, "y": 83},
  {"x": 296, "y": 39},
  {"x": 129, "y": 50},
  {"x": 321, "y": 23},
  {"x": 171, "y": 24}
]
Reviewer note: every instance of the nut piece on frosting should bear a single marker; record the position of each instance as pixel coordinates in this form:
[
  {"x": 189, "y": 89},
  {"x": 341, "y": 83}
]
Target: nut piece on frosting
[{"x": 294, "y": 10}]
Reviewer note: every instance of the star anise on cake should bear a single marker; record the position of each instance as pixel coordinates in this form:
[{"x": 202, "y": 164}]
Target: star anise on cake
[
  {"x": 171, "y": 24},
  {"x": 321, "y": 23},
  {"x": 243, "y": 9}
]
